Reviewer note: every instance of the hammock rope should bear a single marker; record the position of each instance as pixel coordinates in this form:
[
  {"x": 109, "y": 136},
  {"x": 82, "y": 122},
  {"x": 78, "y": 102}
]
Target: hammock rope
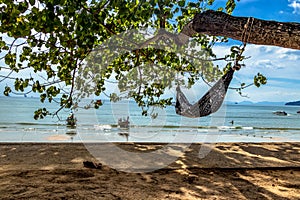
[{"x": 214, "y": 97}]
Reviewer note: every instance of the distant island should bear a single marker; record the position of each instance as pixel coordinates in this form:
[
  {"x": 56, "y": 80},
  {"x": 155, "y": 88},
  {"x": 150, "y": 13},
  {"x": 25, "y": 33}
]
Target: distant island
[
  {"x": 294, "y": 103},
  {"x": 261, "y": 103}
]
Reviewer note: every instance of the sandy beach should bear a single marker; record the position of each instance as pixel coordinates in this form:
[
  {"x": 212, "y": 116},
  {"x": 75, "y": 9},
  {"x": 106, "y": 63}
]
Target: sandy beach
[{"x": 224, "y": 171}]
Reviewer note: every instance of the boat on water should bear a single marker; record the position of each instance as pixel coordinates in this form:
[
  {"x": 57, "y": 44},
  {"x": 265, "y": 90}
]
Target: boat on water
[
  {"x": 298, "y": 111},
  {"x": 280, "y": 113}
]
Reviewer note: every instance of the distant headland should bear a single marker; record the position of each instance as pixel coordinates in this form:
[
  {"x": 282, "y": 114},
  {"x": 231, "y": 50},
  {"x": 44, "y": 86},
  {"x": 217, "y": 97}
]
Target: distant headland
[{"x": 294, "y": 103}]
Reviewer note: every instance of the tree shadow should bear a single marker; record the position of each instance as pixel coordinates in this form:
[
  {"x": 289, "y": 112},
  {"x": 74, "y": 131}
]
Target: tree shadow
[
  {"x": 223, "y": 171},
  {"x": 244, "y": 171}
]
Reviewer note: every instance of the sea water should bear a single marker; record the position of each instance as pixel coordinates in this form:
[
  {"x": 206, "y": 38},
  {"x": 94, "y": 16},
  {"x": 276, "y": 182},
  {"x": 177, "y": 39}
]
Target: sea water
[{"x": 232, "y": 123}]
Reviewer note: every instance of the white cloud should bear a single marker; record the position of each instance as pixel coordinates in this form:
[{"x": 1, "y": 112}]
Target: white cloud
[
  {"x": 268, "y": 59},
  {"x": 279, "y": 65},
  {"x": 295, "y": 4},
  {"x": 266, "y": 64}
]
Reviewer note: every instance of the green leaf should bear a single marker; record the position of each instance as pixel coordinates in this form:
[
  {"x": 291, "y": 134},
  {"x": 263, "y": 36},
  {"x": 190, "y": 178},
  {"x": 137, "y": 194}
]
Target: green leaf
[
  {"x": 7, "y": 91},
  {"x": 181, "y": 3},
  {"x": 32, "y": 2}
]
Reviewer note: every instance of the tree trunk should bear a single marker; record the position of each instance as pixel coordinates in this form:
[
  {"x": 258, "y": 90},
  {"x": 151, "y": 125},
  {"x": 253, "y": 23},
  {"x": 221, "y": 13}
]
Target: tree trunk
[{"x": 245, "y": 29}]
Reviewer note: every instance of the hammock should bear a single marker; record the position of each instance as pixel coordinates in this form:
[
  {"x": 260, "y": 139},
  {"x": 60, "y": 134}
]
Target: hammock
[{"x": 209, "y": 103}]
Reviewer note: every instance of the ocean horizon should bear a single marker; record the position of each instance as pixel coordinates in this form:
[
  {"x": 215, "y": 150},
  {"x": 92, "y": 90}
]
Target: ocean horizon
[{"x": 234, "y": 122}]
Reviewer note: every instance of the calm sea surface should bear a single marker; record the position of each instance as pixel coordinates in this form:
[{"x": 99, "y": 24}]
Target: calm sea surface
[{"x": 252, "y": 123}]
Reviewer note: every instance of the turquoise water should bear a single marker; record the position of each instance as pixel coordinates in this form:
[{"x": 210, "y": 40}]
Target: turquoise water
[{"x": 252, "y": 123}]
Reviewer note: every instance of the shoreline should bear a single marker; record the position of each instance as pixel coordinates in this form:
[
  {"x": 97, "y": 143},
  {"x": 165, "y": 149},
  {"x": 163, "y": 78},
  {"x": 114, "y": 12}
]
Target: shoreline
[
  {"x": 149, "y": 143},
  {"x": 138, "y": 137},
  {"x": 219, "y": 171}
]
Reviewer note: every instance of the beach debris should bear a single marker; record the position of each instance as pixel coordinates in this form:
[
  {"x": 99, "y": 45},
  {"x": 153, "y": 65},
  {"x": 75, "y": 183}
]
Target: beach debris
[
  {"x": 124, "y": 123},
  {"x": 92, "y": 165},
  {"x": 191, "y": 178},
  {"x": 71, "y": 120}
]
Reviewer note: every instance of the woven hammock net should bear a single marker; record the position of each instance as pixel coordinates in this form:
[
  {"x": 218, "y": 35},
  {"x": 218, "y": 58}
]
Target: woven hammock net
[{"x": 209, "y": 103}]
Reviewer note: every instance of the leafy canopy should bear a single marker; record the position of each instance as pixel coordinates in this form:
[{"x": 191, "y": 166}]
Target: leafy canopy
[{"x": 47, "y": 47}]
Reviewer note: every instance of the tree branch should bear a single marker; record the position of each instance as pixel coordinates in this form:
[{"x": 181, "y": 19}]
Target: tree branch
[{"x": 261, "y": 32}]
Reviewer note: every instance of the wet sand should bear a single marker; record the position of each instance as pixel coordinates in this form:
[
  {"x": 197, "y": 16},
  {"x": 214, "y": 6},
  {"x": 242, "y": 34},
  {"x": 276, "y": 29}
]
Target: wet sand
[{"x": 219, "y": 171}]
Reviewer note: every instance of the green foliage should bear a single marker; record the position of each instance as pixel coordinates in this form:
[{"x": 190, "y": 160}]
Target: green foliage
[
  {"x": 40, "y": 113},
  {"x": 53, "y": 40},
  {"x": 259, "y": 80},
  {"x": 230, "y": 5}
]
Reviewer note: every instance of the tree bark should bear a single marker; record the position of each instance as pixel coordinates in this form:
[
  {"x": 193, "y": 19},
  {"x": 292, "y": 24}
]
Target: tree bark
[{"x": 245, "y": 29}]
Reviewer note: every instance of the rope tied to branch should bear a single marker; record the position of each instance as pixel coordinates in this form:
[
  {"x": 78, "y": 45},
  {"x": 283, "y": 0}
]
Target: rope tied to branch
[
  {"x": 214, "y": 97},
  {"x": 247, "y": 31},
  {"x": 244, "y": 38}
]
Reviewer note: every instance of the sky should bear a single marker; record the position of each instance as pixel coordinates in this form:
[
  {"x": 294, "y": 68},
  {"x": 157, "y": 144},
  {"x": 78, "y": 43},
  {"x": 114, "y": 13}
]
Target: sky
[{"x": 279, "y": 65}]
